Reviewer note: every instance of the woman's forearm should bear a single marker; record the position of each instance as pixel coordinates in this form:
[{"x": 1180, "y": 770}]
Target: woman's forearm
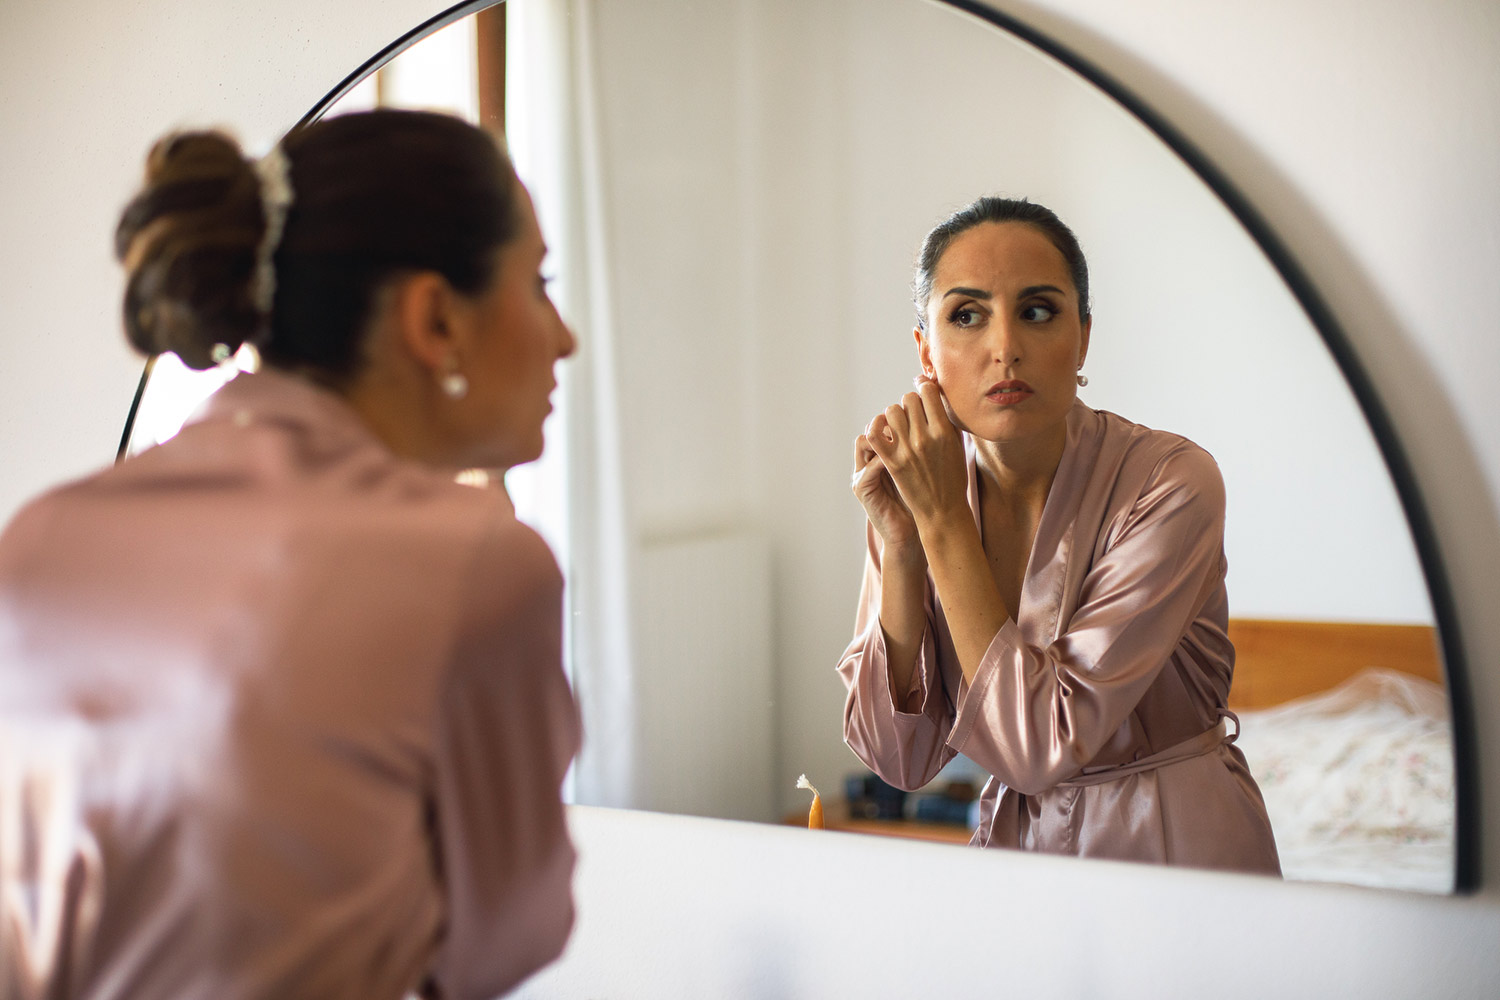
[
  {"x": 971, "y": 601},
  {"x": 903, "y": 615}
]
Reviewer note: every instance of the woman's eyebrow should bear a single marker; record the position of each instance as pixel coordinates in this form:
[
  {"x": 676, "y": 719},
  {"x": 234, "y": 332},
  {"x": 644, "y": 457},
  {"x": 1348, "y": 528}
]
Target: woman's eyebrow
[
  {"x": 979, "y": 293},
  {"x": 971, "y": 293}
]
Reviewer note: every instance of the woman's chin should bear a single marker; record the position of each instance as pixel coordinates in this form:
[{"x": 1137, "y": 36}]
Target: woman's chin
[
  {"x": 1005, "y": 427},
  {"x": 507, "y": 453},
  {"x": 989, "y": 426},
  {"x": 524, "y": 451}
]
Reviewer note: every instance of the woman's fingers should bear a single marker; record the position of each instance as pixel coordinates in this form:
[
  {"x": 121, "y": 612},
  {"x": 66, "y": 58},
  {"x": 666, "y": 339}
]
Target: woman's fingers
[
  {"x": 866, "y": 463},
  {"x": 898, "y": 431},
  {"x": 880, "y": 439},
  {"x": 909, "y": 462},
  {"x": 862, "y": 452},
  {"x": 925, "y": 386},
  {"x": 865, "y": 476},
  {"x": 874, "y": 487},
  {"x": 916, "y": 415},
  {"x": 896, "y": 419},
  {"x": 900, "y": 422},
  {"x": 934, "y": 407}
]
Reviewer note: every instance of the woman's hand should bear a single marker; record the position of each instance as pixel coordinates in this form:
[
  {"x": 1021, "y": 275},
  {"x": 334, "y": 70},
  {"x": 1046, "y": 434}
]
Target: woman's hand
[
  {"x": 876, "y": 492},
  {"x": 922, "y": 453}
]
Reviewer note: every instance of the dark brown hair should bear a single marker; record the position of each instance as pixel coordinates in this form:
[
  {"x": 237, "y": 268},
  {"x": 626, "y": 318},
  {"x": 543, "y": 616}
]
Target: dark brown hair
[
  {"x": 987, "y": 209},
  {"x": 374, "y": 194}
]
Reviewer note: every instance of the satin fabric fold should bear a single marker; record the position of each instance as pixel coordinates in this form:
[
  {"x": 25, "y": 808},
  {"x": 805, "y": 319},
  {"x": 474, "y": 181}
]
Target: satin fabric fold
[{"x": 1118, "y": 651}]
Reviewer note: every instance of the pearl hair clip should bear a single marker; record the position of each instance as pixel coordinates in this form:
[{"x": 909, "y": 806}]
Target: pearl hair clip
[{"x": 274, "y": 171}]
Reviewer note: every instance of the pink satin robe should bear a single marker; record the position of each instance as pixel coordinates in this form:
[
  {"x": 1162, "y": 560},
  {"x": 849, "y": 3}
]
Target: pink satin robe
[
  {"x": 281, "y": 716},
  {"x": 1097, "y": 709}
]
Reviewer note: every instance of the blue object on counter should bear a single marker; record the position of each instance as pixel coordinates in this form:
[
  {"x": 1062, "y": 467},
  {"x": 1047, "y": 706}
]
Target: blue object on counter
[
  {"x": 940, "y": 809},
  {"x": 870, "y": 797}
]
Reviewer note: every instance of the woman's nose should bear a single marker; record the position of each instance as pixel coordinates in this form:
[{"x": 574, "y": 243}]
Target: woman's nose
[
  {"x": 568, "y": 344},
  {"x": 1005, "y": 344}
]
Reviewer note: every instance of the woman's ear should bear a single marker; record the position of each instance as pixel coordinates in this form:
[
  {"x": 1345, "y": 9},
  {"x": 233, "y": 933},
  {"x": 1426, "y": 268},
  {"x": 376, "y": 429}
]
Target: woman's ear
[
  {"x": 924, "y": 353},
  {"x": 1083, "y": 341},
  {"x": 425, "y": 313}
]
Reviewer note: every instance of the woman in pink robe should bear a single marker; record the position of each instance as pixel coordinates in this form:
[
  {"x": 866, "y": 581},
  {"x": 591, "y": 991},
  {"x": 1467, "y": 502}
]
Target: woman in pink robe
[
  {"x": 1045, "y": 585},
  {"x": 282, "y": 707}
]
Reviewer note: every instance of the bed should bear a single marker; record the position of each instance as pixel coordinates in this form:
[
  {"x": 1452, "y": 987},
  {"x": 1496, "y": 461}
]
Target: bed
[{"x": 1346, "y": 729}]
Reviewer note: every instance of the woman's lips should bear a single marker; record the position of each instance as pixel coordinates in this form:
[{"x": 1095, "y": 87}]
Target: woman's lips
[{"x": 1008, "y": 393}]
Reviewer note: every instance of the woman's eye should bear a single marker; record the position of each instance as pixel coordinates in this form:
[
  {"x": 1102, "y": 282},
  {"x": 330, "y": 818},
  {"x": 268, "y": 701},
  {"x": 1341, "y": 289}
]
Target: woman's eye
[
  {"x": 964, "y": 317},
  {"x": 1038, "y": 313}
]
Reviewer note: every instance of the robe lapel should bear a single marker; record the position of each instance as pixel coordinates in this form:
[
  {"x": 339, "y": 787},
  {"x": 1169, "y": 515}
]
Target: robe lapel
[{"x": 1054, "y": 571}]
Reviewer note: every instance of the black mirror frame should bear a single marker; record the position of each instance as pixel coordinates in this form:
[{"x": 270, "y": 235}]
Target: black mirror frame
[{"x": 1466, "y": 776}]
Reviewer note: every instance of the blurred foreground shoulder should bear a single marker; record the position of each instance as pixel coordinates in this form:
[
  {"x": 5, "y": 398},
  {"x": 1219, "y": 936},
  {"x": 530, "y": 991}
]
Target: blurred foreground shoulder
[
  {"x": 508, "y": 731},
  {"x": 514, "y": 565}
]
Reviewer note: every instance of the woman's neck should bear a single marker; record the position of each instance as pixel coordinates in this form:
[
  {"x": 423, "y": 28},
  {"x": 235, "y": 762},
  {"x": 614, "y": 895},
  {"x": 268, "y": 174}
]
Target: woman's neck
[
  {"x": 1021, "y": 472},
  {"x": 389, "y": 400}
]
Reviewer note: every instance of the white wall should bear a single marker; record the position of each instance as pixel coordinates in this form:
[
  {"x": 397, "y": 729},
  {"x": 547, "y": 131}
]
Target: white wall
[
  {"x": 86, "y": 86},
  {"x": 1365, "y": 131}
]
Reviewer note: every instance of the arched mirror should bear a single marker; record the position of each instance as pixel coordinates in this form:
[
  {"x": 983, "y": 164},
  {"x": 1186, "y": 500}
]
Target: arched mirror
[{"x": 734, "y": 194}]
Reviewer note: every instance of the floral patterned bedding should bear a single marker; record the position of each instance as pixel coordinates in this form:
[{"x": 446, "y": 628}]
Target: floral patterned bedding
[{"x": 1358, "y": 782}]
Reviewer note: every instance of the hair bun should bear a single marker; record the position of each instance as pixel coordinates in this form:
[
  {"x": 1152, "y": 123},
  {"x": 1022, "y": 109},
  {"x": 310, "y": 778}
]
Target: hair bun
[{"x": 188, "y": 242}]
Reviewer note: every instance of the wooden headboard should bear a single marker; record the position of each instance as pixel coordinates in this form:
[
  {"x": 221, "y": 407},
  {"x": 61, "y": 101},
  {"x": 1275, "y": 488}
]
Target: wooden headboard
[{"x": 1276, "y": 661}]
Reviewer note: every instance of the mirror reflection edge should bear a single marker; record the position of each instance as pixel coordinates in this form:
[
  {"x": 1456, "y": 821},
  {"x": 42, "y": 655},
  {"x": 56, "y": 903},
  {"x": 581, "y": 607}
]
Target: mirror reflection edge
[{"x": 1303, "y": 290}]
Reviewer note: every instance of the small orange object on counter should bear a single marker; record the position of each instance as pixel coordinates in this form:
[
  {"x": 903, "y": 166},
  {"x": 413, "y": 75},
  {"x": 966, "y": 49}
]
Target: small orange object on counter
[{"x": 815, "y": 814}]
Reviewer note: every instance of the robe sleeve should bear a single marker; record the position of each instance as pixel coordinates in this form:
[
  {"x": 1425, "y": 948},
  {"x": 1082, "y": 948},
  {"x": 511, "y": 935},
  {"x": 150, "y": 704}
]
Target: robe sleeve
[
  {"x": 1034, "y": 717},
  {"x": 902, "y": 735},
  {"x": 507, "y": 732}
]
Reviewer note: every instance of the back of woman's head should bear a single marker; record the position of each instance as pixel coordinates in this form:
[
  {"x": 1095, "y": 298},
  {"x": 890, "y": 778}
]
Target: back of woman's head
[
  {"x": 372, "y": 195},
  {"x": 989, "y": 209}
]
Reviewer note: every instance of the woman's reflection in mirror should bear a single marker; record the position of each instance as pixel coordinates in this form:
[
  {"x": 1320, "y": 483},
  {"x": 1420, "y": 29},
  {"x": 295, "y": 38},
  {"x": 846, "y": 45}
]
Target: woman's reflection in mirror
[
  {"x": 282, "y": 707},
  {"x": 1044, "y": 590}
]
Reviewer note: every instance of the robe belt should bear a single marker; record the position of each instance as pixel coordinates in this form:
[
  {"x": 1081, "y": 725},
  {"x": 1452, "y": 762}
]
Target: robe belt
[{"x": 1204, "y": 743}]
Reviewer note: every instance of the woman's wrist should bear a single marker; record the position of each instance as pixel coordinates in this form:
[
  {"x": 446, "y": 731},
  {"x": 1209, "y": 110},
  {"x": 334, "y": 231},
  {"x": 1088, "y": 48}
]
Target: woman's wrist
[
  {"x": 936, "y": 531},
  {"x": 900, "y": 544},
  {"x": 906, "y": 554}
]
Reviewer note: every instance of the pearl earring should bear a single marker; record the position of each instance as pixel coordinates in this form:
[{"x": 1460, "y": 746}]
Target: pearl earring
[
  {"x": 1083, "y": 380},
  {"x": 453, "y": 383}
]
